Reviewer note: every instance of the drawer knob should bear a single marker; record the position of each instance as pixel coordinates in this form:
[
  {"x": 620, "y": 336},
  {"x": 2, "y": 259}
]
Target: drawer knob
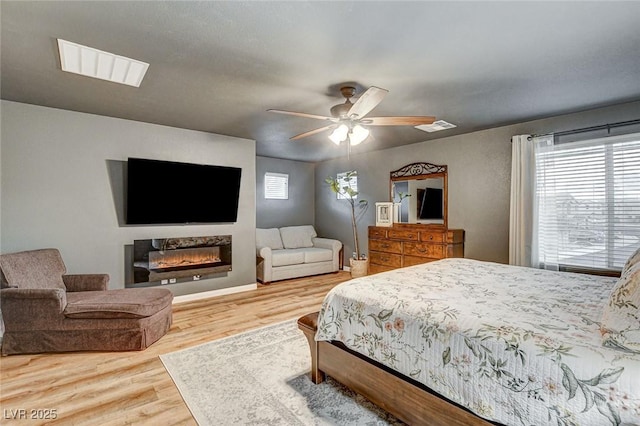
[{"x": 385, "y": 246}]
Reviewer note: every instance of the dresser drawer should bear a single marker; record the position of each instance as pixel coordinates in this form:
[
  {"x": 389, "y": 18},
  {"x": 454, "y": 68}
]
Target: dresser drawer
[
  {"x": 432, "y": 237},
  {"x": 386, "y": 246},
  {"x": 375, "y": 269},
  {"x": 434, "y": 251},
  {"x": 387, "y": 259},
  {"x": 377, "y": 232},
  {"x": 398, "y": 234},
  {"x": 416, "y": 260}
]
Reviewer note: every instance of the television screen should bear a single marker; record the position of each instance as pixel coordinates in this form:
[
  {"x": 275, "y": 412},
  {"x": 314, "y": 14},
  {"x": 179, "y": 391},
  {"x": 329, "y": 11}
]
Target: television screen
[
  {"x": 431, "y": 206},
  {"x": 165, "y": 192}
]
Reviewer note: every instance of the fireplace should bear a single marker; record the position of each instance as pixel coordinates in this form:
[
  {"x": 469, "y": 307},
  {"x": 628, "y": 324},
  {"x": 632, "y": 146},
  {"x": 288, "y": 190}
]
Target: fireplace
[{"x": 173, "y": 260}]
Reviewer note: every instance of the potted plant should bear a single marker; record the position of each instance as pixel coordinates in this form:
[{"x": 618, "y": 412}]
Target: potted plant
[{"x": 358, "y": 264}]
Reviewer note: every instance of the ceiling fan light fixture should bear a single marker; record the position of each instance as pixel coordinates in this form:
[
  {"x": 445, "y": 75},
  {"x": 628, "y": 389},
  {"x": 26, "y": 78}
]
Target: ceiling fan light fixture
[
  {"x": 339, "y": 134},
  {"x": 358, "y": 134}
]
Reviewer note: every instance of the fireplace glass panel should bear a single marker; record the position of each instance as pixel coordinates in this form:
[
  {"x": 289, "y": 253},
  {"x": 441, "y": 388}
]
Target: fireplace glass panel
[{"x": 173, "y": 260}]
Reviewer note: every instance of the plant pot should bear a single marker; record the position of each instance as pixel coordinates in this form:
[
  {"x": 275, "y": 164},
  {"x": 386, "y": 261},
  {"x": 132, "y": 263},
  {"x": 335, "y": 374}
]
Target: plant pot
[{"x": 359, "y": 267}]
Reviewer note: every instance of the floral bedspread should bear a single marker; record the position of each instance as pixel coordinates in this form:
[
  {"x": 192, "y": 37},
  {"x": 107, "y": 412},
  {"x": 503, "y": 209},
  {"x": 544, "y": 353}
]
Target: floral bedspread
[{"x": 519, "y": 346}]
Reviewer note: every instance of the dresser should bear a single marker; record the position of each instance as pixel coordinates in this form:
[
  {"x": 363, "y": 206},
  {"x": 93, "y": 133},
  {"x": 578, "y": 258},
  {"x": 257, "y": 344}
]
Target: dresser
[{"x": 411, "y": 244}]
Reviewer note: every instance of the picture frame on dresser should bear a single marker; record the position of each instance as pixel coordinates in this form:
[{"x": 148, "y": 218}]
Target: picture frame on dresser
[{"x": 384, "y": 214}]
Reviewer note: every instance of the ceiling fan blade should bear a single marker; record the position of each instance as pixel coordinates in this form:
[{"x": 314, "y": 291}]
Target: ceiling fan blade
[
  {"x": 398, "y": 121},
  {"x": 312, "y": 132},
  {"x": 302, "y": 114},
  {"x": 367, "y": 101}
]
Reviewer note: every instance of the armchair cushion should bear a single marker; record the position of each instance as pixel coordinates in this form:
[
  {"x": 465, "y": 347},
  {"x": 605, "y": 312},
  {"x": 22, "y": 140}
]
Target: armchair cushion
[
  {"x": 269, "y": 238},
  {"x": 123, "y": 303},
  {"x": 297, "y": 236},
  {"x": 33, "y": 269}
]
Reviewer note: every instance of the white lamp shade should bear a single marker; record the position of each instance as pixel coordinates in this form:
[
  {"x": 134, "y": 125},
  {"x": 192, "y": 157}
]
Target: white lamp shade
[
  {"x": 358, "y": 135},
  {"x": 339, "y": 134}
]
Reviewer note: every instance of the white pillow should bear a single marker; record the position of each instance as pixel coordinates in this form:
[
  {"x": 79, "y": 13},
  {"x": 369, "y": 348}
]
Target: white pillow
[
  {"x": 621, "y": 315},
  {"x": 269, "y": 238},
  {"x": 633, "y": 260},
  {"x": 297, "y": 236}
]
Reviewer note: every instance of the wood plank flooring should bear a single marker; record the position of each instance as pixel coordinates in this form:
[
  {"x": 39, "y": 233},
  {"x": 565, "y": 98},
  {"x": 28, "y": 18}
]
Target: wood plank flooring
[{"x": 133, "y": 388}]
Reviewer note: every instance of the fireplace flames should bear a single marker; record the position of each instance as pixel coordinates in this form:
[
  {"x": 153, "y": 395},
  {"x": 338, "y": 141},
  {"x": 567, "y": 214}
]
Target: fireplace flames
[{"x": 184, "y": 258}]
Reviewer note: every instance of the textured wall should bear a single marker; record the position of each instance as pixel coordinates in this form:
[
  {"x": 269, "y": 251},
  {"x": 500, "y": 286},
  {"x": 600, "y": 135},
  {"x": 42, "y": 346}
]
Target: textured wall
[
  {"x": 479, "y": 166},
  {"x": 62, "y": 186},
  {"x": 299, "y": 208}
]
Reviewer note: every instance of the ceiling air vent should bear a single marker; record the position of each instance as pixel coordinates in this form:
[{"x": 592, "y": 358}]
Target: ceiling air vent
[
  {"x": 95, "y": 63},
  {"x": 436, "y": 126}
]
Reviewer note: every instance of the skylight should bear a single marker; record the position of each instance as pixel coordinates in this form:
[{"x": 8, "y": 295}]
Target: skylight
[{"x": 90, "y": 62}]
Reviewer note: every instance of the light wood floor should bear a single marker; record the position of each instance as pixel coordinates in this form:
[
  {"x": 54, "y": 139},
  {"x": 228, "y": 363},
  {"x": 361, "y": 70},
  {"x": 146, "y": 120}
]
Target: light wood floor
[{"x": 120, "y": 388}]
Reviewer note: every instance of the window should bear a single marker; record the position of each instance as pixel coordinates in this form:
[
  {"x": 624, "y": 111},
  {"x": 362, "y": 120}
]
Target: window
[
  {"x": 347, "y": 179},
  {"x": 276, "y": 186},
  {"x": 588, "y": 202}
]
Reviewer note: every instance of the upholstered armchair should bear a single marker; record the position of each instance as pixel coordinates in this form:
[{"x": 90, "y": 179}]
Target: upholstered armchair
[{"x": 46, "y": 310}]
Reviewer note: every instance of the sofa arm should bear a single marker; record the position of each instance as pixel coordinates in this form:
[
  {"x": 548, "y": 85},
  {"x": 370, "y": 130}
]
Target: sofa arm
[
  {"x": 24, "y": 308},
  {"x": 86, "y": 282},
  {"x": 264, "y": 272},
  {"x": 331, "y": 244},
  {"x": 327, "y": 243}
]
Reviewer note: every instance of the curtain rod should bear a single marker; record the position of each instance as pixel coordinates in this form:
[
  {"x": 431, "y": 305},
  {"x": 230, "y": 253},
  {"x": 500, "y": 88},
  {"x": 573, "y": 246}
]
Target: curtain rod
[{"x": 607, "y": 127}]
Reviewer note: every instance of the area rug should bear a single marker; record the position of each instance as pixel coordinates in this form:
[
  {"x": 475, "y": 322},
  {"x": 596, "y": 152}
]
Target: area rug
[{"x": 261, "y": 378}]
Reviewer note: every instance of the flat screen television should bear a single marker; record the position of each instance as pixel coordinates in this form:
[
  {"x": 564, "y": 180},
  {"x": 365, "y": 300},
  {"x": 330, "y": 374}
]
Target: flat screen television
[
  {"x": 166, "y": 192},
  {"x": 431, "y": 206}
]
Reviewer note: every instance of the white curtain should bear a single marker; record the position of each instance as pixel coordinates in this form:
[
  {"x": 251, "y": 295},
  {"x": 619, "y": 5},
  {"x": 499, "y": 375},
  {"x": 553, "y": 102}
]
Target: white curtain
[
  {"x": 521, "y": 218},
  {"x": 546, "y": 229}
]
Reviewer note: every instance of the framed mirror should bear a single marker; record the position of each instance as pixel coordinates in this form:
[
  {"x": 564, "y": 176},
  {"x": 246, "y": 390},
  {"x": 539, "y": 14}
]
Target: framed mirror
[{"x": 419, "y": 194}]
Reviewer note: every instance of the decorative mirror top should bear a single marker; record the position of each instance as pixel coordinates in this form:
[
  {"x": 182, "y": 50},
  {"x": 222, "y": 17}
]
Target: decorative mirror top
[
  {"x": 418, "y": 169},
  {"x": 419, "y": 193}
]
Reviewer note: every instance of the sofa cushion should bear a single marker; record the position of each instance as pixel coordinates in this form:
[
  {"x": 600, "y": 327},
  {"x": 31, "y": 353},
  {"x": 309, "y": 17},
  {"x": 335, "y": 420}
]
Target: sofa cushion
[
  {"x": 313, "y": 255},
  {"x": 297, "y": 236},
  {"x": 42, "y": 268},
  {"x": 269, "y": 238},
  {"x": 287, "y": 257},
  {"x": 122, "y": 303}
]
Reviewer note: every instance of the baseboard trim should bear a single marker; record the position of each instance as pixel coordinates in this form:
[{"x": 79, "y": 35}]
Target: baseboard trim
[{"x": 214, "y": 293}]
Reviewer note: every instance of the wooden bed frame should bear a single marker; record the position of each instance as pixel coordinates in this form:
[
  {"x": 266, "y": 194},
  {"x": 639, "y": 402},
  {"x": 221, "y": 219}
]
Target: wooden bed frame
[{"x": 408, "y": 400}]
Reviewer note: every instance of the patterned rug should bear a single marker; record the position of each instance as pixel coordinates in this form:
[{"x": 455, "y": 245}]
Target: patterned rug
[{"x": 261, "y": 377}]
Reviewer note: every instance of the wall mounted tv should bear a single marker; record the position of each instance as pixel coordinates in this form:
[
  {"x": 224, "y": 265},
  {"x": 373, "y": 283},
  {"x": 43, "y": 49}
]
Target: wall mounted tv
[
  {"x": 431, "y": 204},
  {"x": 166, "y": 192}
]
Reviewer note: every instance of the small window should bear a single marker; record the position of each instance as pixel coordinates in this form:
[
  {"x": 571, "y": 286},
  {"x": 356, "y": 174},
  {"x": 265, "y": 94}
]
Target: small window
[
  {"x": 347, "y": 179},
  {"x": 276, "y": 186}
]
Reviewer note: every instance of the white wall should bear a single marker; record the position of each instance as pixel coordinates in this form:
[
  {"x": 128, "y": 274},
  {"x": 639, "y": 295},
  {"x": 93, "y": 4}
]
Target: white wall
[{"x": 62, "y": 187}]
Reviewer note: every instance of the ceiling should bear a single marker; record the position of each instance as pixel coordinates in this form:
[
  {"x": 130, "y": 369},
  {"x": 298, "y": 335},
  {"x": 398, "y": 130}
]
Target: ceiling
[{"x": 218, "y": 66}]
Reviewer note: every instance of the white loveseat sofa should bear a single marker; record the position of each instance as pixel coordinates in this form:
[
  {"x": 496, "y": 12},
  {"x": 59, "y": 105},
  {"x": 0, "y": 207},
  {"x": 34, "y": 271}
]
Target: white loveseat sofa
[{"x": 294, "y": 251}]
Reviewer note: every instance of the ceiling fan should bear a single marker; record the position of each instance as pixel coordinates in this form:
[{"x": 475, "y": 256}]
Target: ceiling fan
[{"x": 349, "y": 120}]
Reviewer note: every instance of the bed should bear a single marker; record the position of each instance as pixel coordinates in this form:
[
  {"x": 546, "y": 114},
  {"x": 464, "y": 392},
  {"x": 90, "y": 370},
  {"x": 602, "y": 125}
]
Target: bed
[{"x": 459, "y": 341}]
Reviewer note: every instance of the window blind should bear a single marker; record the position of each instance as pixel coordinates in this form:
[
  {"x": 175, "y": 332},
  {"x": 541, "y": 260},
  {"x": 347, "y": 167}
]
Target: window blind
[
  {"x": 276, "y": 186},
  {"x": 588, "y": 202}
]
